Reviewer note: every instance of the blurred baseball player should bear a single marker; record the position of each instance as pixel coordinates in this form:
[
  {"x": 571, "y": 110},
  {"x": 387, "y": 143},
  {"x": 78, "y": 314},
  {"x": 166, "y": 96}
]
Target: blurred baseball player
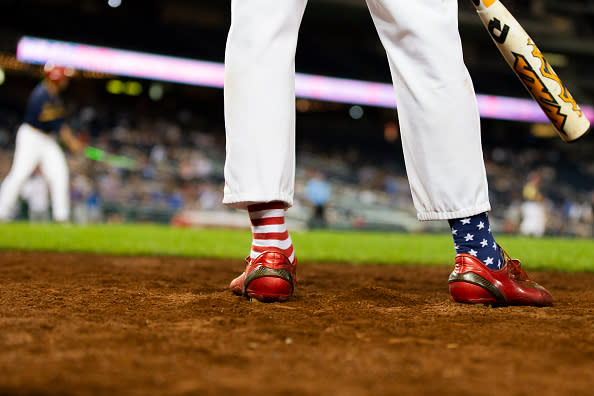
[
  {"x": 534, "y": 212},
  {"x": 440, "y": 128},
  {"x": 37, "y": 145}
]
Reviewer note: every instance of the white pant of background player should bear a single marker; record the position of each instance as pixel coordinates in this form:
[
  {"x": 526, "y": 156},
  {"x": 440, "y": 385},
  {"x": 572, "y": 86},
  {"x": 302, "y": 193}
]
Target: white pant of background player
[
  {"x": 35, "y": 148},
  {"x": 534, "y": 219},
  {"x": 437, "y": 107}
]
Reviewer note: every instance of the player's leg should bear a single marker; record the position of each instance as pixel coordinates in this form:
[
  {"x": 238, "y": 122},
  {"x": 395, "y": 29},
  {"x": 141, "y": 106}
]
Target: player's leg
[
  {"x": 260, "y": 131},
  {"x": 260, "y": 101},
  {"x": 440, "y": 131},
  {"x": 437, "y": 108},
  {"x": 27, "y": 153},
  {"x": 55, "y": 170},
  {"x": 438, "y": 116}
]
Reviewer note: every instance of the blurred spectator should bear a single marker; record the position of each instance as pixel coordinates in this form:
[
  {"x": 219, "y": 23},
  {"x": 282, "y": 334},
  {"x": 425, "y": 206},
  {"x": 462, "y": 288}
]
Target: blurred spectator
[
  {"x": 318, "y": 191},
  {"x": 513, "y": 215},
  {"x": 79, "y": 191},
  {"x": 209, "y": 196},
  {"x": 94, "y": 212}
]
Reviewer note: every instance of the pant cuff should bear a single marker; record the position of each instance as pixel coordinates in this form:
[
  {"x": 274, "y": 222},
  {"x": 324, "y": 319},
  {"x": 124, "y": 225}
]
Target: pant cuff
[
  {"x": 429, "y": 215},
  {"x": 243, "y": 201}
]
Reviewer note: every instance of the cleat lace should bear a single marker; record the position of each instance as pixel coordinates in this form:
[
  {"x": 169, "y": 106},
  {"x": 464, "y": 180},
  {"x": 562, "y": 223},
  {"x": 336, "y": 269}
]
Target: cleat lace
[
  {"x": 515, "y": 270},
  {"x": 514, "y": 267}
]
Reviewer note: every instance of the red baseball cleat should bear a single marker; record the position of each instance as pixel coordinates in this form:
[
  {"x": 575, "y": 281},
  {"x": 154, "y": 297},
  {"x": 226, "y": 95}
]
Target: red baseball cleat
[
  {"x": 269, "y": 277},
  {"x": 472, "y": 282}
]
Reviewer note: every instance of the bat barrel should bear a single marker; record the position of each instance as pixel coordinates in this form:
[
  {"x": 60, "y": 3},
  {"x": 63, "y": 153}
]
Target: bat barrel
[{"x": 533, "y": 70}]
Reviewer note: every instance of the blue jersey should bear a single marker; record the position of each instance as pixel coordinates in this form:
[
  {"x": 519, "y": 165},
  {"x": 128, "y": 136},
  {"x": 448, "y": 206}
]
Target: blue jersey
[{"x": 45, "y": 111}]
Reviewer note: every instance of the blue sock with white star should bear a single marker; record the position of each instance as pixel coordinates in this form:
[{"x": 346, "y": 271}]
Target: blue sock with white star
[{"x": 472, "y": 235}]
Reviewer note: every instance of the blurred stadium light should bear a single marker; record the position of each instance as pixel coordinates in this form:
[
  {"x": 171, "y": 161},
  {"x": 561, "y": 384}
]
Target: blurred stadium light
[
  {"x": 156, "y": 92},
  {"x": 116, "y": 87},
  {"x": 356, "y": 112},
  {"x": 211, "y": 74}
]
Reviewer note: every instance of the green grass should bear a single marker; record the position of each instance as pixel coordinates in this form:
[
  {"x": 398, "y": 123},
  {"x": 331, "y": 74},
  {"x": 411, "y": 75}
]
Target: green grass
[{"x": 320, "y": 246}]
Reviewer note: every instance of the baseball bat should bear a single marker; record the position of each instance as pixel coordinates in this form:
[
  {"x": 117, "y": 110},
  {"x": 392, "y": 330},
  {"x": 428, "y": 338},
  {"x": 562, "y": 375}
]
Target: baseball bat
[
  {"x": 118, "y": 161},
  {"x": 533, "y": 70}
]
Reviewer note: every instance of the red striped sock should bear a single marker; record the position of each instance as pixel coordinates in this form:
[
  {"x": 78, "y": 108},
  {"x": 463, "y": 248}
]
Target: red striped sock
[{"x": 269, "y": 229}]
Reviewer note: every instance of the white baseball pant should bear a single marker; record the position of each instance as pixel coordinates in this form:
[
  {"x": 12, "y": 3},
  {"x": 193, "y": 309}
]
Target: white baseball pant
[
  {"x": 437, "y": 107},
  {"x": 34, "y": 148}
]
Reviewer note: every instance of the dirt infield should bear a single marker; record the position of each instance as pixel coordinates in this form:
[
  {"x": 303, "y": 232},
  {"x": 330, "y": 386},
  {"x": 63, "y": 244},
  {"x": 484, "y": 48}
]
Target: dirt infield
[{"x": 85, "y": 324}]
